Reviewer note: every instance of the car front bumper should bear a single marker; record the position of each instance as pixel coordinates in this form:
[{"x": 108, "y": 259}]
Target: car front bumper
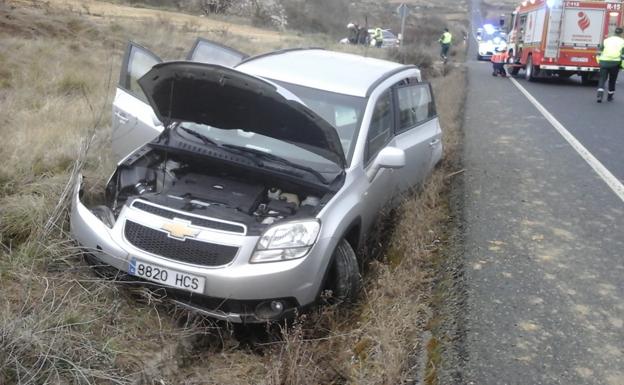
[{"x": 296, "y": 282}]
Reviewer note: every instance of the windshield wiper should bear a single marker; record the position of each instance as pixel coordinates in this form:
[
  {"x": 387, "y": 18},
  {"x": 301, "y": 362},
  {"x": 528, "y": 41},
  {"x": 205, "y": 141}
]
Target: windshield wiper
[
  {"x": 278, "y": 159},
  {"x": 201, "y": 137}
]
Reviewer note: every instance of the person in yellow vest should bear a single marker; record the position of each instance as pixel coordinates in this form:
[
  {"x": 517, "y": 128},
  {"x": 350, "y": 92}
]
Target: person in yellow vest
[
  {"x": 445, "y": 43},
  {"x": 378, "y": 37},
  {"x": 610, "y": 59}
]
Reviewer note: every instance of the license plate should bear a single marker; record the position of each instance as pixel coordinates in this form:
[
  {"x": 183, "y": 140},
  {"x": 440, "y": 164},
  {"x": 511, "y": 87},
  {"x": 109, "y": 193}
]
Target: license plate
[
  {"x": 580, "y": 59},
  {"x": 166, "y": 276}
]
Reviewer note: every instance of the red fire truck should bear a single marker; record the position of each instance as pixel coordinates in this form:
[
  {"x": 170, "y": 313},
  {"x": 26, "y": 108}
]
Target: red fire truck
[{"x": 557, "y": 37}]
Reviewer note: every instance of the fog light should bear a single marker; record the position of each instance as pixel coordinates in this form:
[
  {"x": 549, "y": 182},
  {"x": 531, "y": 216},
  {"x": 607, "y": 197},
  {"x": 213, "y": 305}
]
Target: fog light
[{"x": 269, "y": 309}]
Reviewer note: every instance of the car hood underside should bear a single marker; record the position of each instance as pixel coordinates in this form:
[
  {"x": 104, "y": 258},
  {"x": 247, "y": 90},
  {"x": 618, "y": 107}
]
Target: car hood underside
[{"x": 229, "y": 99}]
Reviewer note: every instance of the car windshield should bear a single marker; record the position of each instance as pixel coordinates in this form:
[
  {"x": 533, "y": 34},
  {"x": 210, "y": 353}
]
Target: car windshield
[
  {"x": 258, "y": 144},
  {"x": 343, "y": 112}
]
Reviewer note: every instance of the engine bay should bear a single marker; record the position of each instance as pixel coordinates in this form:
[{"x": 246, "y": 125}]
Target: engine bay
[{"x": 204, "y": 186}]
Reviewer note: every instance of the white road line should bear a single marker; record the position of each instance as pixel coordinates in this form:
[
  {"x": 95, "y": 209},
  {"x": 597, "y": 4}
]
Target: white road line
[{"x": 600, "y": 169}]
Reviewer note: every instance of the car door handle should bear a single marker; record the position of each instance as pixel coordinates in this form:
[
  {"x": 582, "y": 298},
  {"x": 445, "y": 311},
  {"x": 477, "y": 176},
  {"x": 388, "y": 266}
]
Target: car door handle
[
  {"x": 122, "y": 118},
  {"x": 434, "y": 142}
]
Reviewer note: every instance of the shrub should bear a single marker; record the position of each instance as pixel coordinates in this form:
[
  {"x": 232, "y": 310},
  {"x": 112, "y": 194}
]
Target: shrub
[
  {"x": 420, "y": 55},
  {"x": 319, "y": 16}
]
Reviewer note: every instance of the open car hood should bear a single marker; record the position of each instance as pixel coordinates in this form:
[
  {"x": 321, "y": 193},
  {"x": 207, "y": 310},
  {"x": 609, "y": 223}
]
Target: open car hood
[{"x": 229, "y": 99}]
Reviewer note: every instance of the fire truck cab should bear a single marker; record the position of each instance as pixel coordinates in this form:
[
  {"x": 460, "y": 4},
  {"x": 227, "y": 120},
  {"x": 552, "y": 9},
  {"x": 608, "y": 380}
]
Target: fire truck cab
[{"x": 561, "y": 38}]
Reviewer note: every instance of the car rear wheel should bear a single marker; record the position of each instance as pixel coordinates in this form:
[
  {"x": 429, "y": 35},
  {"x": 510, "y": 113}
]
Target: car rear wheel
[
  {"x": 344, "y": 280},
  {"x": 531, "y": 70}
]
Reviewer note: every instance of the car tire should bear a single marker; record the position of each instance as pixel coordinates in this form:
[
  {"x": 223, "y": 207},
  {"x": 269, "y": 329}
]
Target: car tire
[
  {"x": 530, "y": 72},
  {"x": 344, "y": 280}
]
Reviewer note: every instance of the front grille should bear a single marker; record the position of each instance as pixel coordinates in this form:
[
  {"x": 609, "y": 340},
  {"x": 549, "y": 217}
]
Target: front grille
[
  {"x": 190, "y": 250},
  {"x": 200, "y": 222}
]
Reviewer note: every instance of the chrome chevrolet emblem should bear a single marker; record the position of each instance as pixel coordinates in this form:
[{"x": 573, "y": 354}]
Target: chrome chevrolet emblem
[{"x": 179, "y": 230}]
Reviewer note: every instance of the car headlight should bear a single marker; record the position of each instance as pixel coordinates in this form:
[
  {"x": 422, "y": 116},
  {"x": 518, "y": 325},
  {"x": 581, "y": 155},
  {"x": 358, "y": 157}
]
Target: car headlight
[{"x": 286, "y": 241}]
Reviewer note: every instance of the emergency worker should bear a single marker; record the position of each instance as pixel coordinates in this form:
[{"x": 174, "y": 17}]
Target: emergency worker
[
  {"x": 353, "y": 33},
  {"x": 498, "y": 63},
  {"x": 610, "y": 59},
  {"x": 378, "y": 37},
  {"x": 445, "y": 43}
]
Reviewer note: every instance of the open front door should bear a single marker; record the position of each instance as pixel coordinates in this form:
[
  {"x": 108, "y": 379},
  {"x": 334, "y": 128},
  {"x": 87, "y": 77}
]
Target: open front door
[
  {"x": 209, "y": 52},
  {"x": 134, "y": 122}
]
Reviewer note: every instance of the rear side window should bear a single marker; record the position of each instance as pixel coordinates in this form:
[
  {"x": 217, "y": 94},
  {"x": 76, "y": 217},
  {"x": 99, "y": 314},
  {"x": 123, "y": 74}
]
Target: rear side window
[
  {"x": 205, "y": 51},
  {"x": 415, "y": 105},
  {"x": 380, "y": 130}
]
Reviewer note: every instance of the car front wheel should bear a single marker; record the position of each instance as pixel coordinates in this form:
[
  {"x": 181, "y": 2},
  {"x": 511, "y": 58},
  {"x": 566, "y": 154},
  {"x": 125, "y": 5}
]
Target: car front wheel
[{"x": 344, "y": 280}]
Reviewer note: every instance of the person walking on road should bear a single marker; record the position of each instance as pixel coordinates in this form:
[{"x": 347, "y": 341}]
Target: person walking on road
[
  {"x": 445, "y": 43},
  {"x": 378, "y": 37},
  {"x": 610, "y": 59}
]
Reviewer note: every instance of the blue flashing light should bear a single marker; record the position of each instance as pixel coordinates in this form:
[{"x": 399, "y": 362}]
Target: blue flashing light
[{"x": 489, "y": 29}]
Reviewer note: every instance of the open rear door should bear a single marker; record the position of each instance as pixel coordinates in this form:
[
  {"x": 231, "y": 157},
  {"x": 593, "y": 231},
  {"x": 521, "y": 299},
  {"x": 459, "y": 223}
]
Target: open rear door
[
  {"x": 209, "y": 52},
  {"x": 134, "y": 122}
]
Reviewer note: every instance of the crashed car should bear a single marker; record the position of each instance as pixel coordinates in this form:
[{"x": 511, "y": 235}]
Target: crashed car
[
  {"x": 390, "y": 40},
  {"x": 246, "y": 184}
]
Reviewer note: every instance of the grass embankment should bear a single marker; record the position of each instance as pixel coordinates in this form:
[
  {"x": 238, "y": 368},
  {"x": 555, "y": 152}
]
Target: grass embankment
[{"x": 61, "y": 324}]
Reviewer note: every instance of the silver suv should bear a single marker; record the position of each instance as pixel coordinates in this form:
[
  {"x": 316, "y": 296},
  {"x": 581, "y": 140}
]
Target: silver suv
[{"x": 246, "y": 183}]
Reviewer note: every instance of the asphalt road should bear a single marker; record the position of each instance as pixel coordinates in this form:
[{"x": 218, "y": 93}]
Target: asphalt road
[
  {"x": 544, "y": 236},
  {"x": 599, "y": 127}
]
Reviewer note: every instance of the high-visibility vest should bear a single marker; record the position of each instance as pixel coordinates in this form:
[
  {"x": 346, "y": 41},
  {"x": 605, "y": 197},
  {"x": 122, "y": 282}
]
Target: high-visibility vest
[
  {"x": 499, "y": 58},
  {"x": 446, "y": 38},
  {"x": 378, "y": 36},
  {"x": 612, "y": 49}
]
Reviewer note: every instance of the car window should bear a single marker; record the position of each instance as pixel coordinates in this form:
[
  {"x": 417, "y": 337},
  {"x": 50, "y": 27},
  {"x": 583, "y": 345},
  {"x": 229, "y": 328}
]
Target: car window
[
  {"x": 415, "y": 104},
  {"x": 209, "y": 52},
  {"x": 139, "y": 63},
  {"x": 380, "y": 129}
]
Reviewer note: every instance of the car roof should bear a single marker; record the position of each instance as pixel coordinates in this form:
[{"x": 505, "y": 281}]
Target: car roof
[{"x": 317, "y": 68}]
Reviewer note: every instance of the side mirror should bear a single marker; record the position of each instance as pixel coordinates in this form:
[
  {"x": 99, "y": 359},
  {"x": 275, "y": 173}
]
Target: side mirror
[{"x": 389, "y": 157}]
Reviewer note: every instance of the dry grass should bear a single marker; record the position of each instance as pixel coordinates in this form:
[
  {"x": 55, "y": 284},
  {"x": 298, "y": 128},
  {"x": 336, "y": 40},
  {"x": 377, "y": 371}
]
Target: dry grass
[{"x": 60, "y": 324}]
